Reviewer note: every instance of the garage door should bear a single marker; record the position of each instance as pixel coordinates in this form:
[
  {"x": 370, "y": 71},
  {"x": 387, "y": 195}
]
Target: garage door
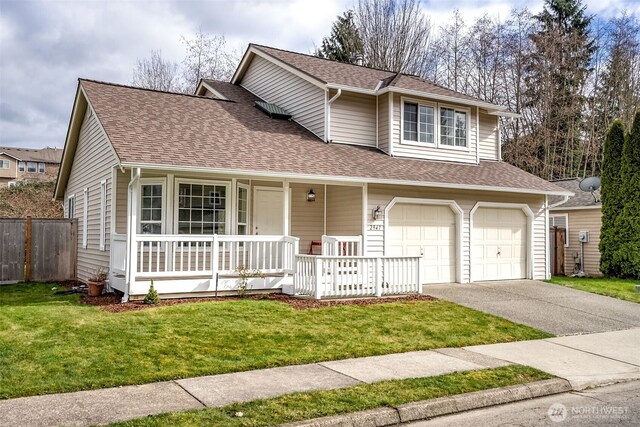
[
  {"x": 499, "y": 244},
  {"x": 431, "y": 230}
]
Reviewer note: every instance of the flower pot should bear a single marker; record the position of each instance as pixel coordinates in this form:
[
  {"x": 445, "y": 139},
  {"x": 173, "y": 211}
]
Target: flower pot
[{"x": 95, "y": 289}]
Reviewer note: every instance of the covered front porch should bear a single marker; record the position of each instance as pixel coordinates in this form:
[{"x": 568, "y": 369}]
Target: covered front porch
[{"x": 199, "y": 234}]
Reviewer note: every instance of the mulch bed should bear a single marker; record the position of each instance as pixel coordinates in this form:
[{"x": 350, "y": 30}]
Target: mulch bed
[{"x": 112, "y": 304}]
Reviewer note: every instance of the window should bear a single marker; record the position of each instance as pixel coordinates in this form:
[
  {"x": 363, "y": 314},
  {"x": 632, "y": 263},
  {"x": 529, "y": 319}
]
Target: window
[
  {"x": 418, "y": 123},
  {"x": 85, "y": 214},
  {"x": 243, "y": 209},
  {"x": 32, "y": 167},
  {"x": 453, "y": 127},
  {"x": 41, "y": 167},
  {"x": 21, "y": 166},
  {"x": 103, "y": 214},
  {"x": 202, "y": 208},
  {"x": 151, "y": 207},
  {"x": 4, "y": 164},
  {"x": 71, "y": 206}
]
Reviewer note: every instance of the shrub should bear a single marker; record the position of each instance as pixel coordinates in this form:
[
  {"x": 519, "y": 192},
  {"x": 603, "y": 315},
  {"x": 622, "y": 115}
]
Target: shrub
[
  {"x": 152, "y": 296},
  {"x": 245, "y": 274}
]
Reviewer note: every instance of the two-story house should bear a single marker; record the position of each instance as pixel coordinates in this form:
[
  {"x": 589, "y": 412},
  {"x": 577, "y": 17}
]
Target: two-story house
[
  {"x": 330, "y": 179},
  {"x": 28, "y": 165}
]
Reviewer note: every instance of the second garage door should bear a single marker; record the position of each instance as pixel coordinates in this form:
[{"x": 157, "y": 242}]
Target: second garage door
[
  {"x": 428, "y": 229},
  {"x": 499, "y": 240}
]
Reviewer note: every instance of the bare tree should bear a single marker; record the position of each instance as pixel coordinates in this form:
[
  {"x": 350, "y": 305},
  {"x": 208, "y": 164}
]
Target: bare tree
[
  {"x": 207, "y": 57},
  {"x": 156, "y": 73},
  {"x": 395, "y": 34},
  {"x": 453, "y": 47}
]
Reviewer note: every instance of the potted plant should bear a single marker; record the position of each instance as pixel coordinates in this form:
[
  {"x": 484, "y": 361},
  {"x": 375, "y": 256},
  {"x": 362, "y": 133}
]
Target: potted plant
[{"x": 96, "y": 282}]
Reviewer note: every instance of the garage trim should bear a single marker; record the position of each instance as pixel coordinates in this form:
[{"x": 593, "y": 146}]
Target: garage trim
[
  {"x": 457, "y": 210},
  {"x": 529, "y": 214}
]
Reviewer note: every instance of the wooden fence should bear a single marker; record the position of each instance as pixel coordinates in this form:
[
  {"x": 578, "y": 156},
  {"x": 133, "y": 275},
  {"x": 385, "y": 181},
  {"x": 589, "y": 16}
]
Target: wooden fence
[{"x": 41, "y": 250}]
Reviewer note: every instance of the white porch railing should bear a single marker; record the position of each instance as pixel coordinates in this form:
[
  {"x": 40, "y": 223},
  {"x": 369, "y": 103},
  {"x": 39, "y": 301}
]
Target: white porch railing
[
  {"x": 342, "y": 245},
  {"x": 353, "y": 276},
  {"x": 119, "y": 253},
  {"x": 180, "y": 255}
]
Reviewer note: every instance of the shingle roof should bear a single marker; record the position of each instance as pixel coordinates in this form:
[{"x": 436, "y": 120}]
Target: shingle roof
[
  {"x": 355, "y": 75},
  {"x": 43, "y": 155},
  {"x": 581, "y": 198},
  {"x": 151, "y": 127}
]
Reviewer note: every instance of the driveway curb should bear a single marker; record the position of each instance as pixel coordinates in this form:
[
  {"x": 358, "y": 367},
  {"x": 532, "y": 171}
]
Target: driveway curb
[{"x": 426, "y": 409}]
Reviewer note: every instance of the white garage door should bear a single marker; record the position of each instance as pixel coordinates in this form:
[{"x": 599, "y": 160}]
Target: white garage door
[
  {"x": 431, "y": 230},
  {"x": 499, "y": 244}
]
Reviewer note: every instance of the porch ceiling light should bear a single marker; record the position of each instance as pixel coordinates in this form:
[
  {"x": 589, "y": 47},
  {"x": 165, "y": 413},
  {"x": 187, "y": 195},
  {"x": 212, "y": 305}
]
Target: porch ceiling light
[
  {"x": 311, "y": 196},
  {"x": 377, "y": 213}
]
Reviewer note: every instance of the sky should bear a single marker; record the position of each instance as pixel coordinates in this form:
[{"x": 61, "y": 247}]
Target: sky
[{"x": 46, "y": 45}]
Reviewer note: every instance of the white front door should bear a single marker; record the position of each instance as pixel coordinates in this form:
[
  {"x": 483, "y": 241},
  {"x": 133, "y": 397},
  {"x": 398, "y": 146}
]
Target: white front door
[
  {"x": 428, "y": 231},
  {"x": 268, "y": 211},
  {"x": 499, "y": 239}
]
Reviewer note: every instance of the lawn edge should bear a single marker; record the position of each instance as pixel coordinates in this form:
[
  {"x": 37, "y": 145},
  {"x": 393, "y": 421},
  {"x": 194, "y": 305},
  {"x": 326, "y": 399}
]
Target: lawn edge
[
  {"x": 432, "y": 408},
  {"x": 602, "y": 294}
]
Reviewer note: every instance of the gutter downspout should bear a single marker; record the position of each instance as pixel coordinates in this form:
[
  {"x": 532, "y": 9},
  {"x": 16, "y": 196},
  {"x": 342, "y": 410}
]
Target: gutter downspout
[
  {"x": 564, "y": 200},
  {"x": 131, "y": 230},
  {"x": 336, "y": 96}
]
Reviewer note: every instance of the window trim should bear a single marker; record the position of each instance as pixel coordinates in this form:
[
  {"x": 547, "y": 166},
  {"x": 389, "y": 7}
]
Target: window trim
[
  {"x": 436, "y": 126},
  {"x": 70, "y": 198},
  {"x": 229, "y": 211},
  {"x": 5, "y": 162},
  {"x": 85, "y": 219},
  {"x": 22, "y": 166},
  {"x": 35, "y": 170},
  {"x": 566, "y": 229},
  {"x": 246, "y": 187},
  {"x": 163, "y": 222},
  {"x": 103, "y": 215}
]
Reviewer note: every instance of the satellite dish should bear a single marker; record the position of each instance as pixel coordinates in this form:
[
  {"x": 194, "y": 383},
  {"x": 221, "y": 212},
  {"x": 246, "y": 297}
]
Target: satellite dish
[{"x": 590, "y": 184}]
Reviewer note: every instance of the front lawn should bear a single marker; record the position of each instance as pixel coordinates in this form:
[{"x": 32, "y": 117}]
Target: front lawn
[
  {"x": 52, "y": 343},
  {"x": 617, "y": 288},
  {"x": 303, "y": 406}
]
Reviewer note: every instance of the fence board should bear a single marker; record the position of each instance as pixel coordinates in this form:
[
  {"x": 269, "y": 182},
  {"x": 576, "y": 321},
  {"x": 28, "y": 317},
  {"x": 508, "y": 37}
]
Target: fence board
[
  {"x": 12, "y": 250},
  {"x": 53, "y": 254}
]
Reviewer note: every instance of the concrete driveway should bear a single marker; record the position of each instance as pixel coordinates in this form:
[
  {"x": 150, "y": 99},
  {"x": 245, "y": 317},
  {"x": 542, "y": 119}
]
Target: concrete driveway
[{"x": 551, "y": 308}]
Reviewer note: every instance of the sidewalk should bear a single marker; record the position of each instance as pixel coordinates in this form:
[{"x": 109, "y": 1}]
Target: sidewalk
[{"x": 584, "y": 360}]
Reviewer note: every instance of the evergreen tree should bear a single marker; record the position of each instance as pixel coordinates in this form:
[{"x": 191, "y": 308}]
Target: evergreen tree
[
  {"x": 344, "y": 43},
  {"x": 612, "y": 198},
  {"x": 627, "y": 256}
]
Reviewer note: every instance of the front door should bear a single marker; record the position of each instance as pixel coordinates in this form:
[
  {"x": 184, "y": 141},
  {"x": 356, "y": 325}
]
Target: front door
[{"x": 268, "y": 211}]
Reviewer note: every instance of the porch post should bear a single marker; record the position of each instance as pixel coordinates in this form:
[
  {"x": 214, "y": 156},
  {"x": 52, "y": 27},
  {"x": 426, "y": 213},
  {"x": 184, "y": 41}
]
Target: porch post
[
  {"x": 285, "y": 222},
  {"x": 319, "y": 275},
  {"x": 132, "y": 244},
  {"x": 378, "y": 278},
  {"x": 418, "y": 275}
]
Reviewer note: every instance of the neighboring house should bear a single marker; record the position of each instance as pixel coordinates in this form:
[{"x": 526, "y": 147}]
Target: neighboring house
[
  {"x": 398, "y": 179},
  {"x": 581, "y": 213},
  {"x": 28, "y": 164}
]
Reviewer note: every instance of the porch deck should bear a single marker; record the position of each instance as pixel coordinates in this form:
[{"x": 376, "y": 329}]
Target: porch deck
[{"x": 182, "y": 265}]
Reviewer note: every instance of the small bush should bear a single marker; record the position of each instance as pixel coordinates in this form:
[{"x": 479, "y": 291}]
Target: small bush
[{"x": 152, "y": 296}]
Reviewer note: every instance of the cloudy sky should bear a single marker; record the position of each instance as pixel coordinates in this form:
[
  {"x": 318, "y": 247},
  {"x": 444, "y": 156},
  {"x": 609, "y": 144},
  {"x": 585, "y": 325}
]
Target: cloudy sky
[{"x": 46, "y": 45}]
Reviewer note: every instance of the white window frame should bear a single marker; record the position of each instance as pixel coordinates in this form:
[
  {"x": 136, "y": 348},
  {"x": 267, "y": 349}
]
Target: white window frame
[
  {"x": 41, "y": 168},
  {"x": 85, "y": 219},
  {"x": 103, "y": 214},
  {"x": 163, "y": 222},
  {"x": 237, "y": 210},
  {"x": 5, "y": 164},
  {"x": 35, "y": 167},
  {"x": 71, "y": 202},
  {"x": 229, "y": 210},
  {"x": 566, "y": 221},
  {"x": 436, "y": 126},
  {"x": 22, "y": 166}
]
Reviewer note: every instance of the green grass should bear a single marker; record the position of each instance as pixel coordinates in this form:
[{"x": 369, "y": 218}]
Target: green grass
[
  {"x": 616, "y": 288},
  {"x": 303, "y": 406},
  {"x": 52, "y": 344}
]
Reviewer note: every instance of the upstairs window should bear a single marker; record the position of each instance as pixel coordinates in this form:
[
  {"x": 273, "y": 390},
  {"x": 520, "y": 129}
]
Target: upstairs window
[
  {"x": 453, "y": 127},
  {"x": 4, "y": 164},
  {"x": 32, "y": 167},
  {"x": 21, "y": 166},
  {"x": 418, "y": 123}
]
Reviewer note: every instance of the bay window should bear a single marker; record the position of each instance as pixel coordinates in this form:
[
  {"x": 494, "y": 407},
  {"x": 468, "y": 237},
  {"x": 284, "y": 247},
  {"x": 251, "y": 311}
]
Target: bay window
[
  {"x": 202, "y": 208},
  {"x": 453, "y": 127}
]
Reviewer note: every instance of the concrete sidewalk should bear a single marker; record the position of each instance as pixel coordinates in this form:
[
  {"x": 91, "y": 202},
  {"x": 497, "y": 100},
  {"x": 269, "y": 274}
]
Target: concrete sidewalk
[{"x": 584, "y": 360}]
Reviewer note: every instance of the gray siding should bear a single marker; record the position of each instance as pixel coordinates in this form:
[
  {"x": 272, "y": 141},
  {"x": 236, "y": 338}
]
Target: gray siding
[
  {"x": 307, "y": 218},
  {"x": 92, "y": 163},
  {"x": 383, "y": 122},
  {"x": 583, "y": 220},
  {"x": 344, "y": 210},
  {"x": 303, "y": 100},
  {"x": 353, "y": 119},
  {"x": 488, "y": 136}
]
